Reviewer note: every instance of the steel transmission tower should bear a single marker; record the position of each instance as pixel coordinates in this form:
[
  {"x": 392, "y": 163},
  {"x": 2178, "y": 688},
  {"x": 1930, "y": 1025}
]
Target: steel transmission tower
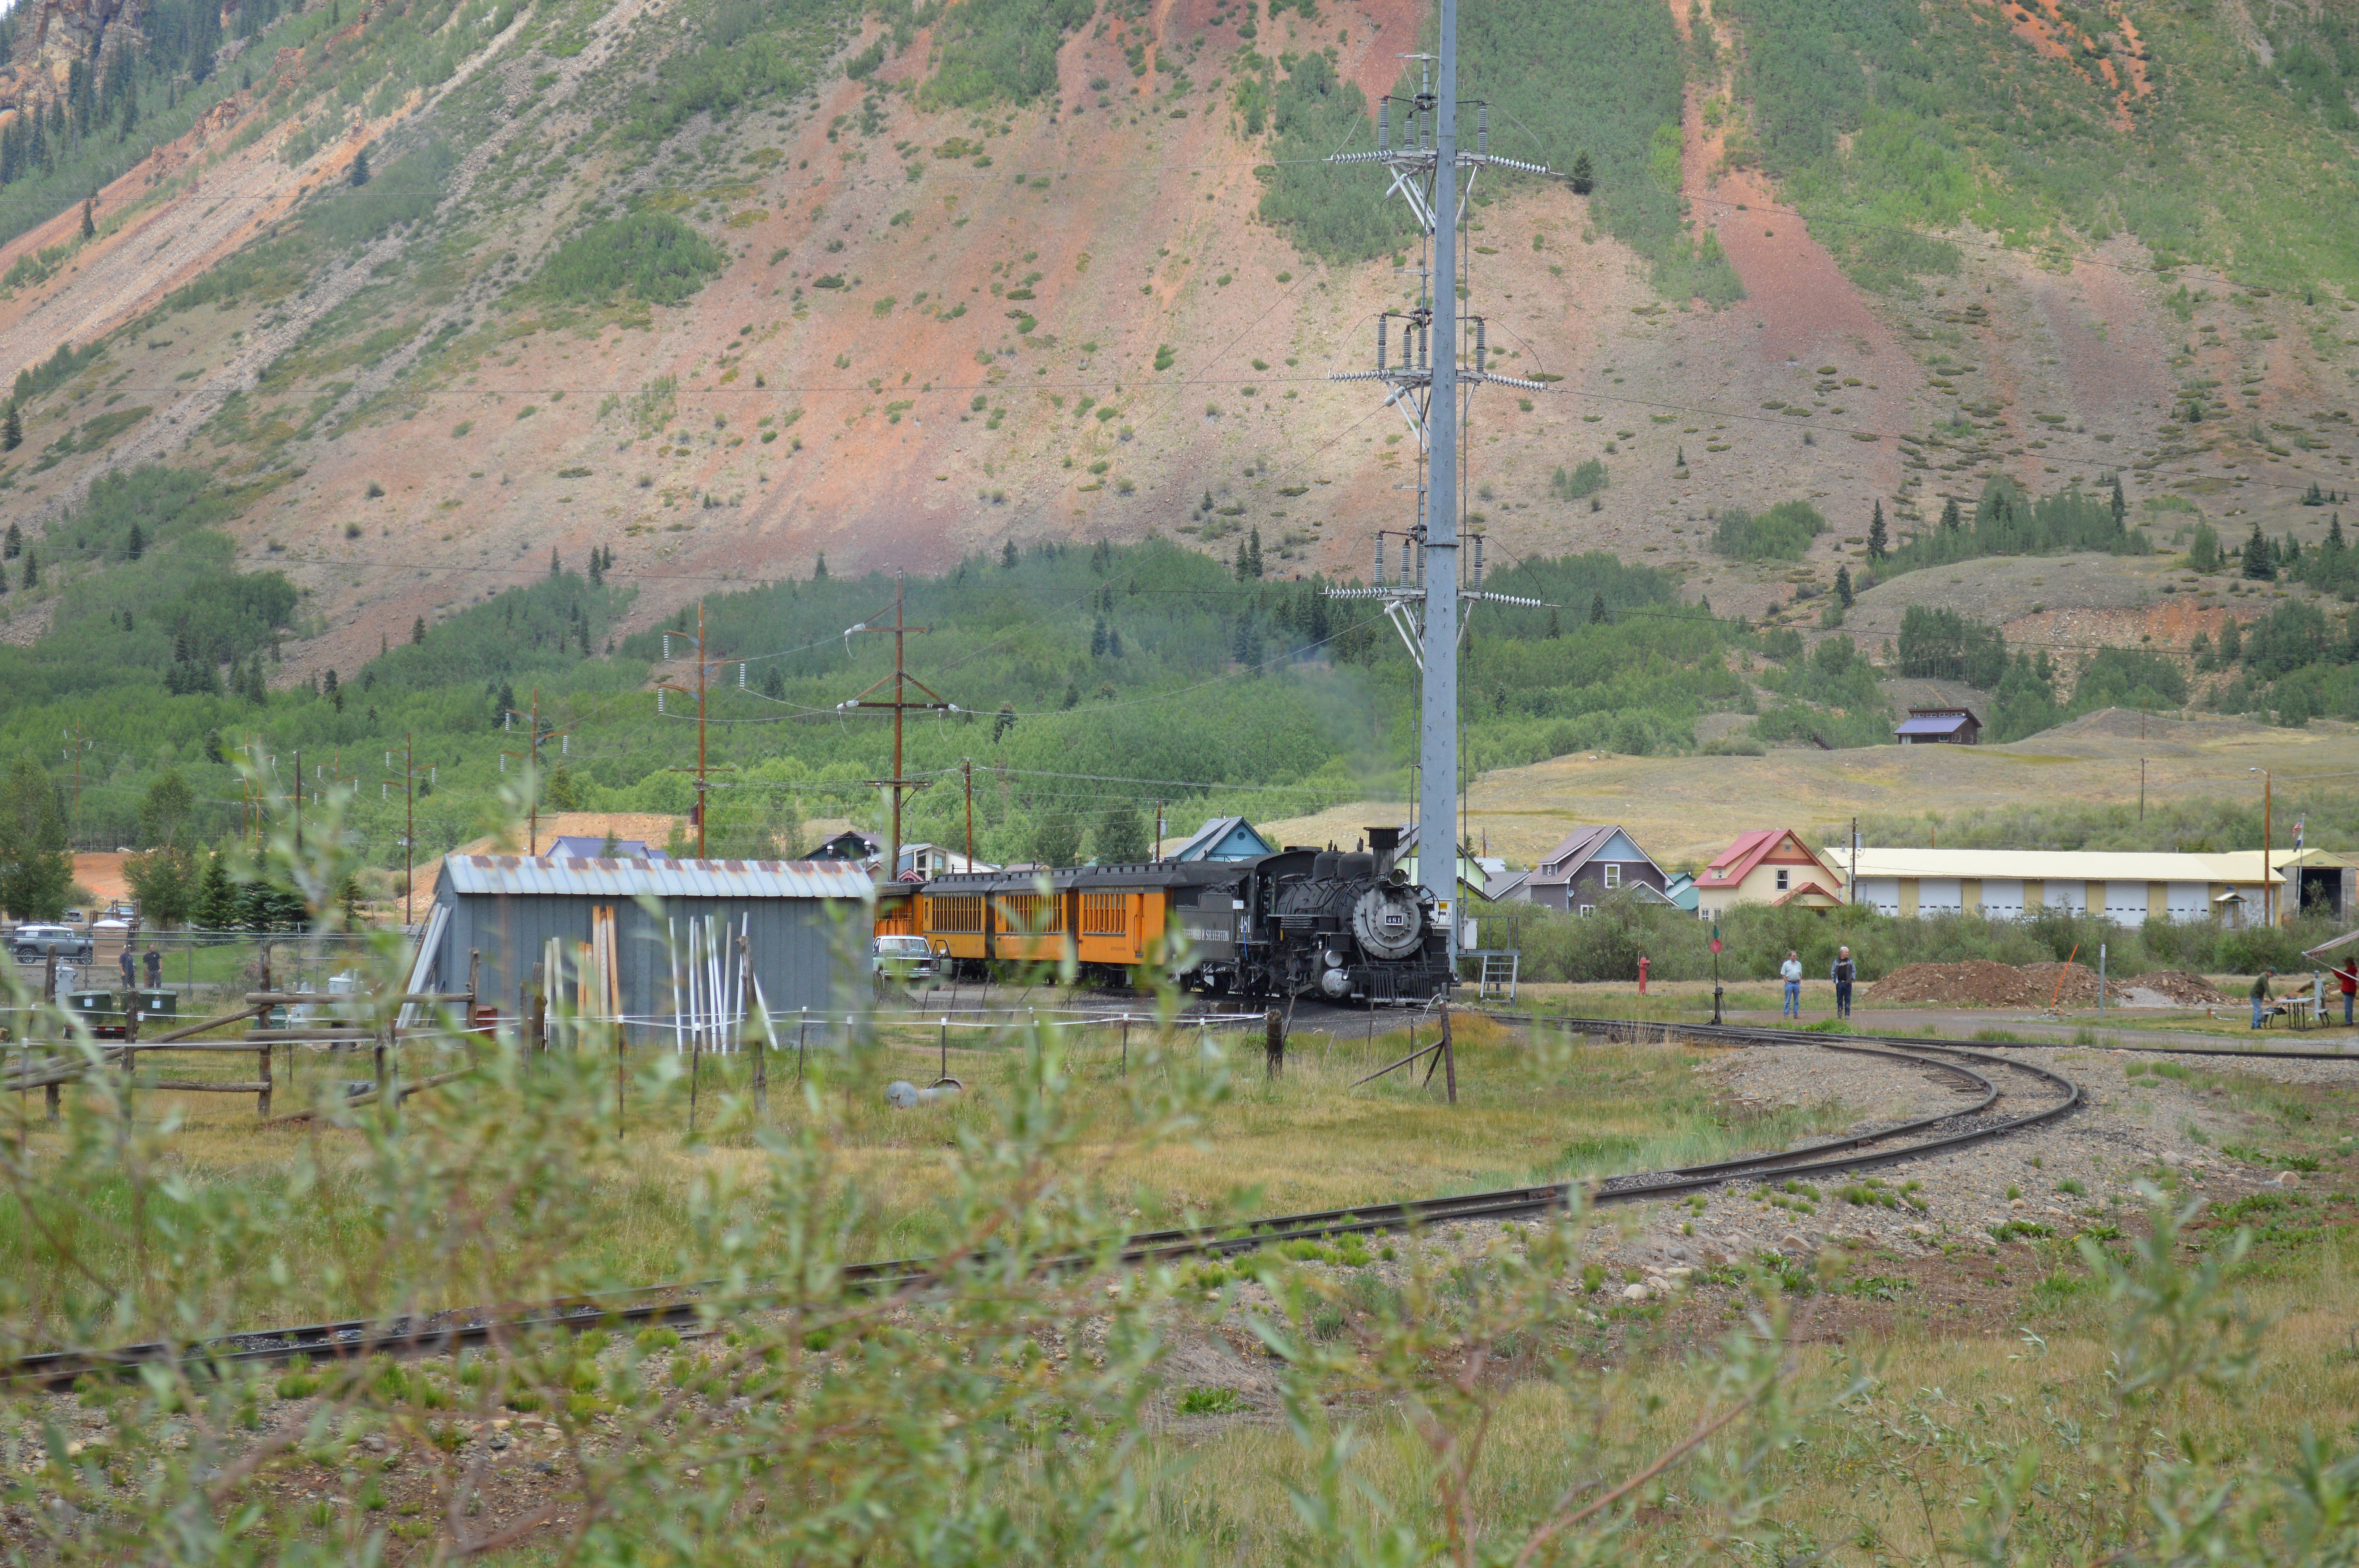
[{"x": 1429, "y": 386}]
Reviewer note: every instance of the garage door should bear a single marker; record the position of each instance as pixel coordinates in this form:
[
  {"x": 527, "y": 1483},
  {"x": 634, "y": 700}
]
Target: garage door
[
  {"x": 2188, "y": 900},
  {"x": 2125, "y": 902},
  {"x": 2070, "y": 895},
  {"x": 1940, "y": 895},
  {"x": 2003, "y": 900},
  {"x": 1880, "y": 894}
]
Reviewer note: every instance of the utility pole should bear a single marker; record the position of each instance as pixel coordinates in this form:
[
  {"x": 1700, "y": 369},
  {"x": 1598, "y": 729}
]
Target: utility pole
[
  {"x": 901, "y": 680},
  {"x": 2269, "y": 849},
  {"x": 702, "y": 770},
  {"x": 966, "y": 766},
  {"x": 1428, "y": 169},
  {"x": 1158, "y": 830},
  {"x": 78, "y": 740},
  {"x": 530, "y": 755},
  {"x": 2141, "y": 789},
  {"x": 410, "y": 771}
]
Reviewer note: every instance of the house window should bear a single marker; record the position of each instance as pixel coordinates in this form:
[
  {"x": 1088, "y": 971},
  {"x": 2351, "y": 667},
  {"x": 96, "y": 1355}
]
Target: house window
[
  {"x": 1587, "y": 910},
  {"x": 1782, "y": 879},
  {"x": 1612, "y": 876}
]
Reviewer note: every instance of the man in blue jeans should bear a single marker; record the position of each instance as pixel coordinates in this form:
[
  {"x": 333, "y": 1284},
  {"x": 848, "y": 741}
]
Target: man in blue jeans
[
  {"x": 1843, "y": 973},
  {"x": 1790, "y": 971},
  {"x": 2261, "y": 998}
]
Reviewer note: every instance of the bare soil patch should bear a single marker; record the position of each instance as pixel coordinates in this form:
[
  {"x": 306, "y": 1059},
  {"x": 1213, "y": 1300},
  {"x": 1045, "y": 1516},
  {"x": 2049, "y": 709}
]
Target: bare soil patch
[{"x": 1980, "y": 983}]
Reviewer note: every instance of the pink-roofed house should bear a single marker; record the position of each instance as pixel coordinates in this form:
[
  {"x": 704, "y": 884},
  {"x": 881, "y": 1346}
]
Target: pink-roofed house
[{"x": 1768, "y": 865}]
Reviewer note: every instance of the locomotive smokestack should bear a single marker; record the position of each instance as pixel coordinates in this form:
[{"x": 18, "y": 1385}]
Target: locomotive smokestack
[{"x": 1384, "y": 843}]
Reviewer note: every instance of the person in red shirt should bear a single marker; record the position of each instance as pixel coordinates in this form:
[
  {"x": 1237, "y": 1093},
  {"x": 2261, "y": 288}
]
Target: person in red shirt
[
  {"x": 1642, "y": 974},
  {"x": 2347, "y": 977}
]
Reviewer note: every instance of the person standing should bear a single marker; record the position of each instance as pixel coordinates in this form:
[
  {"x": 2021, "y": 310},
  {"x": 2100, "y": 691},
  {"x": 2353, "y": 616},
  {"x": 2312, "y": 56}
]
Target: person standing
[
  {"x": 1790, "y": 971},
  {"x": 1642, "y": 974},
  {"x": 2261, "y": 997},
  {"x": 128, "y": 965},
  {"x": 155, "y": 965},
  {"x": 1843, "y": 974},
  {"x": 2347, "y": 977}
]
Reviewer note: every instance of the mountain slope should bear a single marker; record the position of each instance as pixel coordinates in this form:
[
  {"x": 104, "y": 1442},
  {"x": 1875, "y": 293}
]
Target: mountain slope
[{"x": 906, "y": 278}]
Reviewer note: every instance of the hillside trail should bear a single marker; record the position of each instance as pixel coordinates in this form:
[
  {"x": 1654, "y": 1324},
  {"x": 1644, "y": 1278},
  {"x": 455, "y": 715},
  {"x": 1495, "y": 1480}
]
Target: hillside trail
[{"x": 185, "y": 237}]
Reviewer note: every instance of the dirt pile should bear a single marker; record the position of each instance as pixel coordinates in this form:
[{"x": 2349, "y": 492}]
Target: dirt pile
[
  {"x": 1981, "y": 983},
  {"x": 2176, "y": 986}
]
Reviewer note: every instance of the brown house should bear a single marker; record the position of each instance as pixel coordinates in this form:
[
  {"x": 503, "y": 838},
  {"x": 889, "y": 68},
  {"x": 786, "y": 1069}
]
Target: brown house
[
  {"x": 1590, "y": 863},
  {"x": 1938, "y": 727}
]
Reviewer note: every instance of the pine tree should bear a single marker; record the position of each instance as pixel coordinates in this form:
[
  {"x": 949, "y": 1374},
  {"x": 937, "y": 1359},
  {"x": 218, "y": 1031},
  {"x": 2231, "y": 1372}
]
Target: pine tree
[
  {"x": 1072, "y": 695},
  {"x": 1253, "y": 554},
  {"x": 1244, "y": 571},
  {"x": 1951, "y": 517},
  {"x": 1584, "y": 175},
  {"x": 1843, "y": 595},
  {"x": 1555, "y": 627},
  {"x": 1597, "y": 615},
  {"x": 418, "y": 630},
  {"x": 2260, "y": 560},
  {"x": 89, "y": 226},
  {"x": 216, "y": 904},
  {"x": 1113, "y": 642},
  {"x": 136, "y": 545},
  {"x": 2121, "y": 506},
  {"x": 819, "y": 572},
  {"x": 32, "y": 571},
  {"x": 1878, "y": 541},
  {"x": 12, "y": 543},
  {"x": 1680, "y": 459},
  {"x": 597, "y": 567},
  {"x": 359, "y": 173},
  {"x": 4, "y": 579},
  {"x": 556, "y": 567},
  {"x": 1098, "y": 639},
  {"x": 12, "y": 436}
]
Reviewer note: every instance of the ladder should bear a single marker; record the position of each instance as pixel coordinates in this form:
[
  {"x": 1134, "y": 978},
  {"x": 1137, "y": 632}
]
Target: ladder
[{"x": 1498, "y": 974}]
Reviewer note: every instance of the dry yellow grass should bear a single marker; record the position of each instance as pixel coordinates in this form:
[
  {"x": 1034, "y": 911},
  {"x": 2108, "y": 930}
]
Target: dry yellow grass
[{"x": 1686, "y": 809}]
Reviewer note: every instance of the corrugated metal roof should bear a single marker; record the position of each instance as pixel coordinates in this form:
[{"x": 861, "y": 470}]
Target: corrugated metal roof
[
  {"x": 2069, "y": 865},
  {"x": 1947, "y": 724},
  {"x": 515, "y": 874}
]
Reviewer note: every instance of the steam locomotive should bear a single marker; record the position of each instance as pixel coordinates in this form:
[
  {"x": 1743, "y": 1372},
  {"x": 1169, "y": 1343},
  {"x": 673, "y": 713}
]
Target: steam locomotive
[{"x": 1341, "y": 926}]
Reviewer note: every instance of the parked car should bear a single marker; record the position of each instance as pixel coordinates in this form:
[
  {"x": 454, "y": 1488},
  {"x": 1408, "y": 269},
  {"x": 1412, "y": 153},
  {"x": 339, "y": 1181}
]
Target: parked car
[
  {"x": 73, "y": 917},
  {"x": 904, "y": 960},
  {"x": 32, "y": 943}
]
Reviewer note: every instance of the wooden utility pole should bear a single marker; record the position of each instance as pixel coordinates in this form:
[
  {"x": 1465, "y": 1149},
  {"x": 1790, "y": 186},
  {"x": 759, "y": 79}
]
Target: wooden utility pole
[
  {"x": 530, "y": 755},
  {"x": 901, "y": 680},
  {"x": 966, "y": 767},
  {"x": 702, "y": 770},
  {"x": 410, "y": 771}
]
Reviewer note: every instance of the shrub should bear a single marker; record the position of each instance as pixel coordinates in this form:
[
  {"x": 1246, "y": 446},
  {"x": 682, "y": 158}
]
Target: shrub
[
  {"x": 651, "y": 255},
  {"x": 1582, "y": 482},
  {"x": 1782, "y": 532}
]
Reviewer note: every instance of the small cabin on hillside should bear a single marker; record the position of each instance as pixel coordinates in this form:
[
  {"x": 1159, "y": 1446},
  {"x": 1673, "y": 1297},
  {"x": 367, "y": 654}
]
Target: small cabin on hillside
[{"x": 1938, "y": 727}]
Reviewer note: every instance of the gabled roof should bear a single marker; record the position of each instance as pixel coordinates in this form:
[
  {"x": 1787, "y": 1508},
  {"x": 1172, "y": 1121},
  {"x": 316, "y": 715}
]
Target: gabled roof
[
  {"x": 1223, "y": 839},
  {"x": 1936, "y": 722},
  {"x": 1802, "y": 889},
  {"x": 1734, "y": 864},
  {"x": 1583, "y": 845},
  {"x": 582, "y": 847},
  {"x": 516, "y": 874}
]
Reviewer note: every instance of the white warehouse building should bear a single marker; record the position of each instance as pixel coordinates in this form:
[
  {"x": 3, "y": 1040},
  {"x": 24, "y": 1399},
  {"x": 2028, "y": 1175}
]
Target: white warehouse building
[{"x": 2128, "y": 888}]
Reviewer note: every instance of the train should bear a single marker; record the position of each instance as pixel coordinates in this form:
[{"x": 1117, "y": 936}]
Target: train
[{"x": 1341, "y": 926}]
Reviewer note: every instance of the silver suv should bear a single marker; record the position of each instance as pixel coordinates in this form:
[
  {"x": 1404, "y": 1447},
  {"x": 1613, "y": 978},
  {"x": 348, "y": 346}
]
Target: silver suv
[{"x": 31, "y": 943}]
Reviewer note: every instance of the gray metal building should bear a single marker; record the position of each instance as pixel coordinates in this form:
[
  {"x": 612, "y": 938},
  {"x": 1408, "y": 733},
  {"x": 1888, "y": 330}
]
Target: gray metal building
[{"x": 799, "y": 916}]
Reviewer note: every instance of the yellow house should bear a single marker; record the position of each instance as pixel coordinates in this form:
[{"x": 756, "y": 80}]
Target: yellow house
[{"x": 1768, "y": 865}]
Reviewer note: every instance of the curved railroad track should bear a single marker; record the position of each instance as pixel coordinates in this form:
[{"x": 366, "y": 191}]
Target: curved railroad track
[{"x": 2020, "y": 1096}]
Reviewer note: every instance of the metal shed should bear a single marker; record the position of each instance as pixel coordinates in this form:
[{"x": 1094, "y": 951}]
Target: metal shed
[{"x": 797, "y": 916}]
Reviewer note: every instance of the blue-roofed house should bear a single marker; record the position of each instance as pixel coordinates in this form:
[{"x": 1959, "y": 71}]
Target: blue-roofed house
[
  {"x": 1590, "y": 863},
  {"x": 1223, "y": 839},
  {"x": 1938, "y": 727}
]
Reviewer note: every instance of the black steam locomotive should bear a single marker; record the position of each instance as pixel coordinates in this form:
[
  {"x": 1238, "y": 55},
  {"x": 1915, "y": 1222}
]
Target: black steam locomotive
[{"x": 1335, "y": 926}]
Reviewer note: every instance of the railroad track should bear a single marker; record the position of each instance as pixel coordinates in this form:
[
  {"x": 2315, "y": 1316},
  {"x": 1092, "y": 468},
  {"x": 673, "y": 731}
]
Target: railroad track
[{"x": 2030, "y": 1096}]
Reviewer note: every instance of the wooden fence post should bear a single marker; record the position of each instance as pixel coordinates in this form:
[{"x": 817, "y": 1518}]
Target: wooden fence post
[
  {"x": 1273, "y": 1042},
  {"x": 757, "y": 1039},
  {"x": 262, "y": 1100},
  {"x": 1448, "y": 1057}
]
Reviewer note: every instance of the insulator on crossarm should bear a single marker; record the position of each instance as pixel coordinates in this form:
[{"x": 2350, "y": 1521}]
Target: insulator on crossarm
[
  {"x": 740, "y": 676},
  {"x": 1382, "y": 322},
  {"x": 1478, "y": 562},
  {"x": 1482, "y": 130},
  {"x": 1379, "y": 579},
  {"x": 1481, "y": 343},
  {"x": 1384, "y": 124}
]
